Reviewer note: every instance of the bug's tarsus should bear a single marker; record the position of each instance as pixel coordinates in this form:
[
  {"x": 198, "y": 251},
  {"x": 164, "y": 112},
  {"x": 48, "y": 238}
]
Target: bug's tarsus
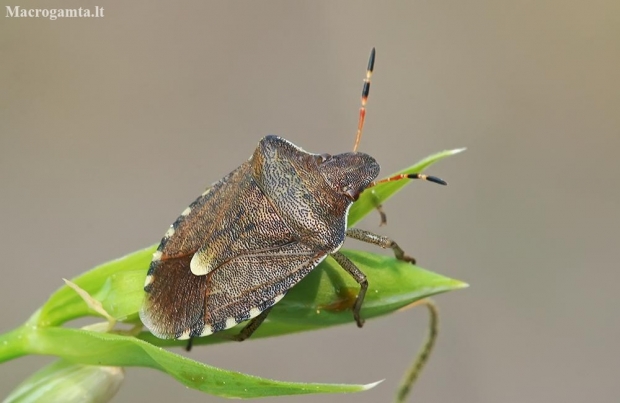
[
  {"x": 380, "y": 240},
  {"x": 251, "y": 327},
  {"x": 365, "y": 92},
  {"x": 360, "y": 277}
]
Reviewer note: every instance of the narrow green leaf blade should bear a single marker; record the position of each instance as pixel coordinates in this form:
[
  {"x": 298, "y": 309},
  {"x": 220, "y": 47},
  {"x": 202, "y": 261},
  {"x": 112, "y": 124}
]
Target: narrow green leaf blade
[
  {"x": 118, "y": 284},
  {"x": 92, "y": 348},
  {"x": 324, "y": 298}
]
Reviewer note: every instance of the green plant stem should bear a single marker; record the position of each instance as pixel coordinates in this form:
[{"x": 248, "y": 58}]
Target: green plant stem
[
  {"x": 13, "y": 344},
  {"x": 422, "y": 357}
]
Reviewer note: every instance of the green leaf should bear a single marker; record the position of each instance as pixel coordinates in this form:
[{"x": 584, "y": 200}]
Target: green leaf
[
  {"x": 117, "y": 284},
  {"x": 87, "y": 347},
  {"x": 324, "y": 298}
]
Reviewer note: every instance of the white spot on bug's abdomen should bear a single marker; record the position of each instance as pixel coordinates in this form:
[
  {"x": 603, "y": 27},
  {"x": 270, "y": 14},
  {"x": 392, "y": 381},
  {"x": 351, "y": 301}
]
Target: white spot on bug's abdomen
[
  {"x": 186, "y": 212},
  {"x": 149, "y": 280},
  {"x": 206, "y": 331},
  {"x": 230, "y": 322},
  {"x": 184, "y": 335},
  {"x": 170, "y": 232},
  {"x": 157, "y": 256}
]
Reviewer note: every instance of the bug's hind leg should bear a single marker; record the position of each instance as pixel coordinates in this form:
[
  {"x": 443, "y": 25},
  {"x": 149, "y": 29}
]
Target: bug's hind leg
[
  {"x": 251, "y": 327},
  {"x": 360, "y": 277},
  {"x": 379, "y": 240}
]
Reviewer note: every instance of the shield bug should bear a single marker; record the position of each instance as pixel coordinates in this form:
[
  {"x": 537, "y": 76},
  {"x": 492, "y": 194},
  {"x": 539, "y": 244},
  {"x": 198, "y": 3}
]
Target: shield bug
[{"x": 254, "y": 234}]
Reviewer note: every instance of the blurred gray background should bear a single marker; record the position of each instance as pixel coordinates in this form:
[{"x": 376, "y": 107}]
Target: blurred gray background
[{"x": 109, "y": 127}]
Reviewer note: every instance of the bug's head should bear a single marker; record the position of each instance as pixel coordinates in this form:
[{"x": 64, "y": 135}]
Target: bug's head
[{"x": 348, "y": 173}]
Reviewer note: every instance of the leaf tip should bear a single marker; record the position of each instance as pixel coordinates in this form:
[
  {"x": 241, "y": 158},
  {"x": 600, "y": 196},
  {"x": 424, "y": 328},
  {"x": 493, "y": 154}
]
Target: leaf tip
[
  {"x": 371, "y": 385},
  {"x": 457, "y": 285},
  {"x": 457, "y": 150}
]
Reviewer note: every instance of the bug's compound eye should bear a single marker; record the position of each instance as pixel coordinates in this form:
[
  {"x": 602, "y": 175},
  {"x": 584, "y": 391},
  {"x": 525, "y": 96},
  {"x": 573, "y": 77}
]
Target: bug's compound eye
[
  {"x": 350, "y": 193},
  {"x": 322, "y": 158}
]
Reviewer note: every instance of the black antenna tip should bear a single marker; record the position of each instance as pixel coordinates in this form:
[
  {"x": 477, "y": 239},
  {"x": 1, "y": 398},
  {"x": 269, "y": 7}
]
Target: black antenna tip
[
  {"x": 428, "y": 178},
  {"x": 436, "y": 180},
  {"x": 371, "y": 61}
]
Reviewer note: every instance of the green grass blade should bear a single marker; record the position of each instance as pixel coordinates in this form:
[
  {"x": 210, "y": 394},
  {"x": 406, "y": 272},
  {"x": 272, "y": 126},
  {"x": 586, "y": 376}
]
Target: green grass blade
[
  {"x": 92, "y": 348},
  {"x": 118, "y": 284},
  {"x": 324, "y": 298}
]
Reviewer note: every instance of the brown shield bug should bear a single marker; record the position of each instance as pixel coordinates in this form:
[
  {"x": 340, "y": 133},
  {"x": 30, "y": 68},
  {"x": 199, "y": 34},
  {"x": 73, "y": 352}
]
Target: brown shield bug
[{"x": 254, "y": 234}]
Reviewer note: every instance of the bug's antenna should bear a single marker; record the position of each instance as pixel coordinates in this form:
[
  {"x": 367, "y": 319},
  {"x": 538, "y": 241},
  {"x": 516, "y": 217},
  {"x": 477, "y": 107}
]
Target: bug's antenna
[
  {"x": 365, "y": 91},
  {"x": 398, "y": 177}
]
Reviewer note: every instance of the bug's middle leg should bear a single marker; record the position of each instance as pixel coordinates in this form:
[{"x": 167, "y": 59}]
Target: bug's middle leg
[
  {"x": 360, "y": 277},
  {"x": 379, "y": 240}
]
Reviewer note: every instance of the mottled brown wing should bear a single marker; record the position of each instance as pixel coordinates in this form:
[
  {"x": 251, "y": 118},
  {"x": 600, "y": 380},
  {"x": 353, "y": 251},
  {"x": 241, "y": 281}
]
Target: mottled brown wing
[
  {"x": 174, "y": 298},
  {"x": 245, "y": 258},
  {"x": 247, "y": 285},
  {"x": 182, "y": 305}
]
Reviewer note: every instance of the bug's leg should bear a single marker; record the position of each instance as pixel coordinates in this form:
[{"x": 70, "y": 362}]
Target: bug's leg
[
  {"x": 252, "y": 326},
  {"x": 360, "y": 278},
  {"x": 379, "y": 207},
  {"x": 381, "y": 241},
  {"x": 190, "y": 342}
]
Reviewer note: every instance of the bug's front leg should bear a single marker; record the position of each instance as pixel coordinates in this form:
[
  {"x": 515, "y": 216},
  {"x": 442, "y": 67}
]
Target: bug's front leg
[
  {"x": 360, "y": 277},
  {"x": 378, "y": 207},
  {"x": 380, "y": 240}
]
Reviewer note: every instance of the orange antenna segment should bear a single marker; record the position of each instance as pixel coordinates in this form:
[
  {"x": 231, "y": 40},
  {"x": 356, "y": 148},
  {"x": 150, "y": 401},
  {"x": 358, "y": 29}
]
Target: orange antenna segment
[{"x": 365, "y": 91}]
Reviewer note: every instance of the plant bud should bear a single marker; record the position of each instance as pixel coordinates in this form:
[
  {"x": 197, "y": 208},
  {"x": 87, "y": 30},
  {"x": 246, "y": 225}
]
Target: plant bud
[{"x": 63, "y": 381}]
